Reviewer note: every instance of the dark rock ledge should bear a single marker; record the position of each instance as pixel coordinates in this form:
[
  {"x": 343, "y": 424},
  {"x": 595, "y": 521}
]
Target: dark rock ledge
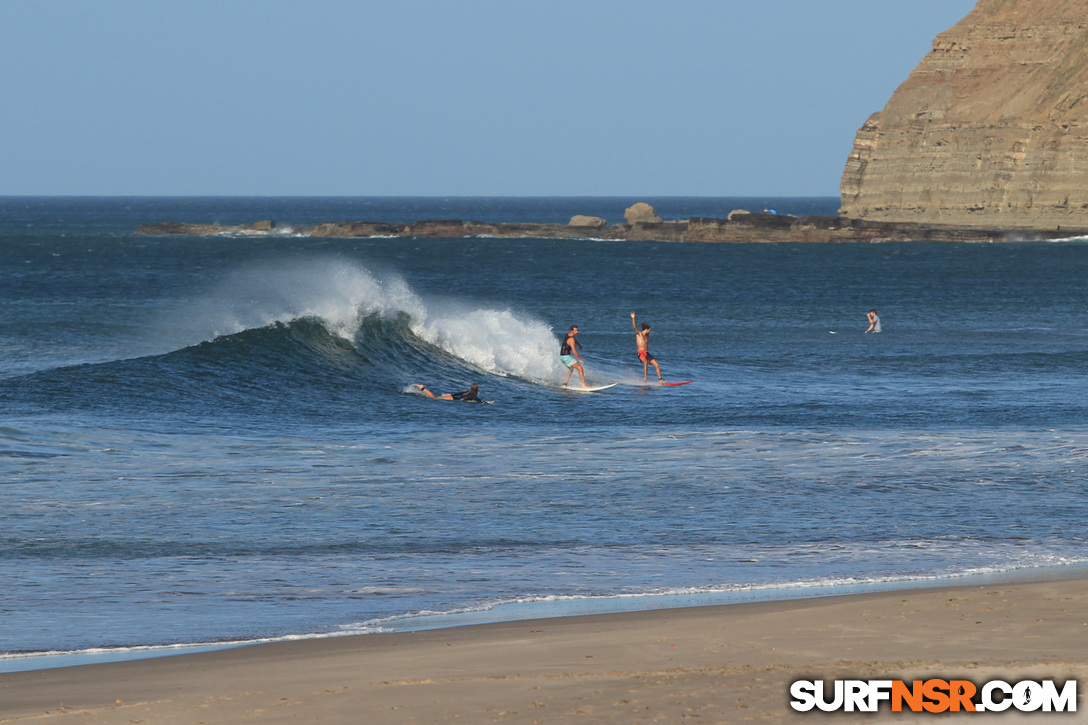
[{"x": 740, "y": 227}]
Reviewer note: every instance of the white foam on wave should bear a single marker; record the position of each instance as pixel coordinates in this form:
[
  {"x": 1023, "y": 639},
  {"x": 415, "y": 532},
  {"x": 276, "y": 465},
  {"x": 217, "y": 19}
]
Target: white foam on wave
[
  {"x": 496, "y": 341},
  {"x": 338, "y": 293},
  {"x": 342, "y": 294}
]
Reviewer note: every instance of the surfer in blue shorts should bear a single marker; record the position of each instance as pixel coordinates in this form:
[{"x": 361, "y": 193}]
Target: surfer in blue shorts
[
  {"x": 472, "y": 395},
  {"x": 568, "y": 354}
]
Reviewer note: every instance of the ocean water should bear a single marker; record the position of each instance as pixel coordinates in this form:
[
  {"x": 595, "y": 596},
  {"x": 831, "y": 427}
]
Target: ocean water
[{"x": 216, "y": 439}]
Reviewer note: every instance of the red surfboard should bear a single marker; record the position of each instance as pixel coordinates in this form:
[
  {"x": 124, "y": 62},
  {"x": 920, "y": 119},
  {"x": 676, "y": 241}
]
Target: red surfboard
[{"x": 686, "y": 382}]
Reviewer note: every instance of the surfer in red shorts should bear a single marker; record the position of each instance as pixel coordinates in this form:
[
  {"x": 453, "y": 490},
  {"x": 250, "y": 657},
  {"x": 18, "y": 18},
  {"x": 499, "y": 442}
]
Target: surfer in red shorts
[{"x": 642, "y": 341}]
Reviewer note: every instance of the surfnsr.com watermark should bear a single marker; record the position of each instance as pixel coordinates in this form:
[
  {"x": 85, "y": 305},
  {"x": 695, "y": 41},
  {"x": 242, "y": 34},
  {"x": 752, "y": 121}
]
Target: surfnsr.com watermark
[{"x": 934, "y": 695}]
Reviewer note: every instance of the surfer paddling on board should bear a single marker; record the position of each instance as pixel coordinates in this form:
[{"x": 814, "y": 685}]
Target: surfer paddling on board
[
  {"x": 472, "y": 395},
  {"x": 642, "y": 341},
  {"x": 568, "y": 354}
]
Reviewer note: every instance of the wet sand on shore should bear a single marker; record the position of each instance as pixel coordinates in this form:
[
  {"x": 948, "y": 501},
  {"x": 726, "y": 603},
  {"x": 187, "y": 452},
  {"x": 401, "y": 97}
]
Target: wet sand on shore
[{"x": 721, "y": 664}]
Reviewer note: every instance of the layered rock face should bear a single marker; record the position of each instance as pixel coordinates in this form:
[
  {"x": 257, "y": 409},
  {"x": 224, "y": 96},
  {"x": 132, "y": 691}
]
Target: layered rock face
[{"x": 991, "y": 129}]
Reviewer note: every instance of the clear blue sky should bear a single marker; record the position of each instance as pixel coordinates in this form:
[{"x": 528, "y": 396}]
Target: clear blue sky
[{"x": 421, "y": 97}]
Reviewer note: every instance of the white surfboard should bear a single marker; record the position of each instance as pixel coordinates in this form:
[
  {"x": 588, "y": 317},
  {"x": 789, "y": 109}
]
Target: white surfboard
[{"x": 576, "y": 389}]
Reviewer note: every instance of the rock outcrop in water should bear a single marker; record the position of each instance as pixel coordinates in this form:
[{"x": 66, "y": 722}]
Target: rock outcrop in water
[
  {"x": 991, "y": 129},
  {"x": 641, "y": 213},
  {"x": 739, "y": 227},
  {"x": 581, "y": 220}
]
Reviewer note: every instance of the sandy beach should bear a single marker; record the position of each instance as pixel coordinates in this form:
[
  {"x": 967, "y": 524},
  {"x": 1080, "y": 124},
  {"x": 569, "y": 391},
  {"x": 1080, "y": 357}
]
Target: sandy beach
[{"x": 719, "y": 664}]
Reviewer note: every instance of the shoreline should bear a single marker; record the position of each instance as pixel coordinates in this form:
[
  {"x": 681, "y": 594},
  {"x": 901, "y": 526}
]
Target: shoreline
[
  {"x": 506, "y": 612},
  {"x": 722, "y": 663}
]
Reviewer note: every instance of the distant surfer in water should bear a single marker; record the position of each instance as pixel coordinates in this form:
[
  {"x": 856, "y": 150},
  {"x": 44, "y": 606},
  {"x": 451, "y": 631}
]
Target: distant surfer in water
[
  {"x": 642, "y": 341},
  {"x": 874, "y": 321},
  {"x": 568, "y": 354},
  {"x": 472, "y": 395}
]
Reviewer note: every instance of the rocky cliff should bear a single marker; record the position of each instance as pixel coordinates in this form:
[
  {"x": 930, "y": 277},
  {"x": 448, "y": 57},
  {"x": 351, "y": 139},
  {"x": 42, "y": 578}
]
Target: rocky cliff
[{"x": 991, "y": 129}]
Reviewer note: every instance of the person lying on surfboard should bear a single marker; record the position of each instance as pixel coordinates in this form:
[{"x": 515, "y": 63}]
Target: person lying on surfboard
[
  {"x": 568, "y": 354},
  {"x": 642, "y": 341},
  {"x": 472, "y": 395}
]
